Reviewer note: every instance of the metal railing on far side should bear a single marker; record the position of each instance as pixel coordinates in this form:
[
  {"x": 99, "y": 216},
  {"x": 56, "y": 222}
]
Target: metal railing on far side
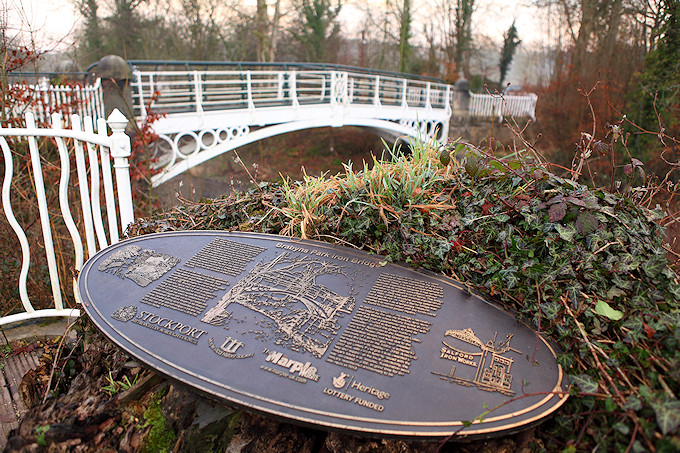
[
  {"x": 484, "y": 105},
  {"x": 94, "y": 155}
]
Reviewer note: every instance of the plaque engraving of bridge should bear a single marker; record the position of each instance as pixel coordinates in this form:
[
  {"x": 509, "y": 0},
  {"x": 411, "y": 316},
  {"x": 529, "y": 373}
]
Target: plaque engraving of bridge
[{"x": 321, "y": 335}]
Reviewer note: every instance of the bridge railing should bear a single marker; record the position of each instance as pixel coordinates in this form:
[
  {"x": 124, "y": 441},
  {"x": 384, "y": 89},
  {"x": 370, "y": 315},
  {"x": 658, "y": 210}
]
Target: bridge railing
[
  {"x": 93, "y": 154},
  {"x": 497, "y": 106},
  {"x": 203, "y": 91}
]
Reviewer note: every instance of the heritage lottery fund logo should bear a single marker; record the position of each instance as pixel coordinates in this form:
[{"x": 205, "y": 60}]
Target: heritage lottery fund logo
[
  {"x": 349, "y": 384},
  {"x": 159, "y": 323}
]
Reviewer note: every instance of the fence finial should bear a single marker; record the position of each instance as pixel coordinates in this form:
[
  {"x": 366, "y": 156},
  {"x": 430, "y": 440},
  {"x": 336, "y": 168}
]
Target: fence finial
[
  {"x": 120, "y": 152},
  {"x": 117, "y": 120}
]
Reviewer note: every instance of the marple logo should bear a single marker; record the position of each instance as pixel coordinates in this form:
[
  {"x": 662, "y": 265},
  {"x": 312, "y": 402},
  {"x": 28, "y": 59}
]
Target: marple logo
[
  {"x": 124, "y": 314},
  {"x": 305, "y": 370}
]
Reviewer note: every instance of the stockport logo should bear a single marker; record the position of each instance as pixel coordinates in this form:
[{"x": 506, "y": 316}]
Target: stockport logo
[{"x": 169, "y": 327}]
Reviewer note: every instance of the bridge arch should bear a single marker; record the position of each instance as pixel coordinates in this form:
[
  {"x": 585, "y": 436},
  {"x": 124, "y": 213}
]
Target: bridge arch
[{"x": 178, "y": 155}]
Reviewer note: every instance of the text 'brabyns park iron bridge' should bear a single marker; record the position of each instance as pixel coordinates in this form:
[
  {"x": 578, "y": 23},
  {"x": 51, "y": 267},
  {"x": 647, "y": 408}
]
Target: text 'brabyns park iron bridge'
[{"x": 213, "y": 108}]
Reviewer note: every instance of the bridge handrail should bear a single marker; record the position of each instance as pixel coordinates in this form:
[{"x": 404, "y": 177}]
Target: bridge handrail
[
  {"x": 71, "y": 144},
  {"x": 198, "y": 91},
  {"x": 190, "y": 65}
]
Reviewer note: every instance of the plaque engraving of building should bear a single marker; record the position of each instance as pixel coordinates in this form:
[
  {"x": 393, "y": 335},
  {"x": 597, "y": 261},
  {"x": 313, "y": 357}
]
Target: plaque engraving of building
[
  {"x": 491, "y": 364},
  {"x": 140, "y": 266},
  {"x": 321, "y": 334}
]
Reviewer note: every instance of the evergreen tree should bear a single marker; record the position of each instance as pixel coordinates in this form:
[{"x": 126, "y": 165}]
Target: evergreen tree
[
  {"x": 510, "y": 43},
  {"x": 463, "y": 35},
  {"x": 124, "y": 29},
  {"x": 92, "y": 33},
  {"x": 316, "y": 27}
]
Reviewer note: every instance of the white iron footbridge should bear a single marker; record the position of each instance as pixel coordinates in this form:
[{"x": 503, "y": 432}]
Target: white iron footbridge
[{"x": 212, "y": 111}]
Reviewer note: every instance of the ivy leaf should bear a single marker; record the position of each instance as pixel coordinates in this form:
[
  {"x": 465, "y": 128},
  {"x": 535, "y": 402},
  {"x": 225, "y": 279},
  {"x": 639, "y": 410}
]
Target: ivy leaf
[
  {"x": 615, "y": 292},
  {"x": 551, "y": 310},
  {"x": 628, "y": 169},
  {"x": 667, "y": 415},
  {"x": 566, "y": 232},
  {"x": 586, "y": 223},
  {"x": 653, "y": 267},
  {"x": 611, "y": 198},
  {"x": 622, "y": 428},
  {"x": 646, "y": 393},
  {"x": 632, "y": 402},
  {"x": 609, "y": 405},
  {"x": 602, "y": 308},
  {"x": 637, "y": 162},
  {"x": 576, "y": 201},
  {"x": 557, "y": 212},
  {"x": 585, "y": 383}
]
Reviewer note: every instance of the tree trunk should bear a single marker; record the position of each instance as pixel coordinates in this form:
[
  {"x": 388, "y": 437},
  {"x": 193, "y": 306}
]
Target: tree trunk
[
  {"x": 273, "y": 42},
  {"x": 404, "y": 36},
  {"x": 261, "y": 26},
  {"x": 589, "y": 9}
]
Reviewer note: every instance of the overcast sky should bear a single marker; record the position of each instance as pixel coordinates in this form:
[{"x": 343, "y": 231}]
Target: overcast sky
[{"x": 55, "y": 20}]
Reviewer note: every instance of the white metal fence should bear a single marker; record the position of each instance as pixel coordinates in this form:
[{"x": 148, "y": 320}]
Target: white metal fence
[
  {"x": 500, "y": 106},
  {"x": 92, "y": 174},
  {"x": 43, "y": 99}
]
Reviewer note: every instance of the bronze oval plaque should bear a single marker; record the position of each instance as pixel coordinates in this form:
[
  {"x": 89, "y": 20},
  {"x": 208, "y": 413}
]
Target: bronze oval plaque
[{"x": 321, "y": 334}]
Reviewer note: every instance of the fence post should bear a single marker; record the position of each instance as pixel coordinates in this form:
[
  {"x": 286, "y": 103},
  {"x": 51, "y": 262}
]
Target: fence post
[
  {"x": 198, "y": 92},
  {"x": 120, "y": 152},
  {"x": 376, "y": 94},
  {"x": 292, "y": 89}
]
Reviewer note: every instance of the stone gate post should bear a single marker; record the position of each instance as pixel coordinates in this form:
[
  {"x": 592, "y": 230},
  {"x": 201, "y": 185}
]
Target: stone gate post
[{"x": 116, "y": 77}]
